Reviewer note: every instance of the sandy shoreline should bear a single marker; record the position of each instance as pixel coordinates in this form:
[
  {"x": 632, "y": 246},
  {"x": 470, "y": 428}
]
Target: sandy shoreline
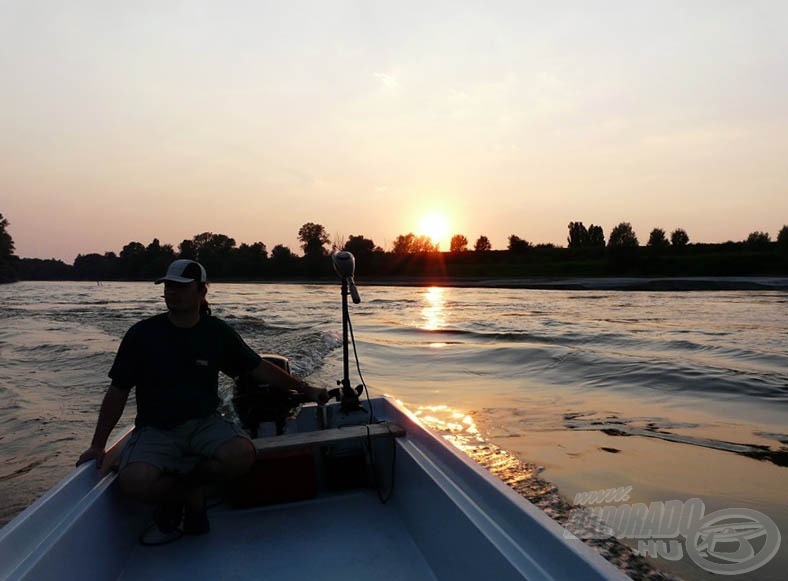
[
  {"x": 595, "y": 283},
  {"x": 618, "y": 283}
]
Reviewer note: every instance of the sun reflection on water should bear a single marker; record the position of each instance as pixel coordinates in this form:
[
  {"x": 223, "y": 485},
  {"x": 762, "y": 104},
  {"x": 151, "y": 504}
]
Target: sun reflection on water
[
  {"x": 455, "y": 426},
  {"x": 459, "y": 428},
  {"x": 434, "y": 311}
]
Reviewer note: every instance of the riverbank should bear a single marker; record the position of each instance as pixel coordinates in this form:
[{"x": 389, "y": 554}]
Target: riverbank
[
  {"x": 613, "y": 283},
  {"x": 593, "y": 283}
]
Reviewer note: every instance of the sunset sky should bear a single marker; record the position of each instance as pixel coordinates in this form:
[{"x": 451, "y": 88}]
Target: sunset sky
[{"x": 134, "y": 120}]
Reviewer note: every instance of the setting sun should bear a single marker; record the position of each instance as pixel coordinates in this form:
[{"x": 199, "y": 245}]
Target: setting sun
[{"x": 436, "y": 226}]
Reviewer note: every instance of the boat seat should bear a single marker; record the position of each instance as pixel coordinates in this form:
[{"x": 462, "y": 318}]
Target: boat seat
[{"x": 327, "y": 437}]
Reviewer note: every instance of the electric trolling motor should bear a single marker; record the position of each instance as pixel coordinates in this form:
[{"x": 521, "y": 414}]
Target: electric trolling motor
[
  {"x": 346, "y": 465},
  {"x": 345, "y": 267}
]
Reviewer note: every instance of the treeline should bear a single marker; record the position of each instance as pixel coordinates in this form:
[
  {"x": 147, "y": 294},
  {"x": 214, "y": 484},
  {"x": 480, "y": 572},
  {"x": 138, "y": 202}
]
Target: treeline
[
  {"x": 587, "y": 254},
  {"x": 9, "y": 262}
]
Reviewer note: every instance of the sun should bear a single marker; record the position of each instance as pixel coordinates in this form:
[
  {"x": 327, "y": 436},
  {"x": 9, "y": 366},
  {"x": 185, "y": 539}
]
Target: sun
[{"x": 436, "y": 226}]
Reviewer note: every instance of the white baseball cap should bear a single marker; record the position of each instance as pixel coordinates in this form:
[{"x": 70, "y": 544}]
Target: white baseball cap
[{"x": 184, "y": 271}]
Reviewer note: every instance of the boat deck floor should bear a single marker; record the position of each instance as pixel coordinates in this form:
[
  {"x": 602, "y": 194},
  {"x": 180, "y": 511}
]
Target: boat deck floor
[{"x": 347, "y": 536}]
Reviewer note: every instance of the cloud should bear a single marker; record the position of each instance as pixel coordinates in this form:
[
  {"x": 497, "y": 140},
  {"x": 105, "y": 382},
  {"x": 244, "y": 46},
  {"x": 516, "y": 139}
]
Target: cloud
[{"x": 388, "y": 81}]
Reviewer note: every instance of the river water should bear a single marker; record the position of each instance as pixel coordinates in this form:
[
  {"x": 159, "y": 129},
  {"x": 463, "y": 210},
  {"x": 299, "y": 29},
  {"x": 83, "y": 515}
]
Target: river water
[{"x": 676, "y": 394}]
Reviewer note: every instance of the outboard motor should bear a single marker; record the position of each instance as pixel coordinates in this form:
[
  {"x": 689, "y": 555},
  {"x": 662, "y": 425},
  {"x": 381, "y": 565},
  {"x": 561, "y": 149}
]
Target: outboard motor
[{"x": 256, "y": 403}]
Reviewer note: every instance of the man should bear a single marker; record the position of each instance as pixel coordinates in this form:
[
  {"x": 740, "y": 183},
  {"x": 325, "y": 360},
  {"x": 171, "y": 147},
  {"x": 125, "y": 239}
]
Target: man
[{"x": 180, "y": 442}]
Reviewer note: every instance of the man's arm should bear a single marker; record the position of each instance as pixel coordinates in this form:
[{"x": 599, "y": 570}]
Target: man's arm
[
  {"x": 111, "y": 409},
  {"x": 267, "y": 372}
]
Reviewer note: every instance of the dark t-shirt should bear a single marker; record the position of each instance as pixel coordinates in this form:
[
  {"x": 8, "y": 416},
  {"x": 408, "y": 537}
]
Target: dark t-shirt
[{"x": 176, "y": 370}]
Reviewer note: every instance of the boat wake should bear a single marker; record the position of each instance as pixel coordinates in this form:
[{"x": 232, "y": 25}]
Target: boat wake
[{"x": 661, "y": 428}]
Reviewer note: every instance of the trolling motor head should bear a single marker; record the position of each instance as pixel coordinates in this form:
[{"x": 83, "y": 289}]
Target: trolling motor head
[
  {"x": 345, "y": 267},
  {"x": 344, "y": 264}
]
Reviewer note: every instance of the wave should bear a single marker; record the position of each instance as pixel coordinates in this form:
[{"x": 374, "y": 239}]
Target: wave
[
  {"x": 665, "y": 430},
  {"x": 398, "y": 301},
  {"x": 626, "y": 372},
  {"x": 24, "y": 469},
  {"x": 595, "y": 366}
]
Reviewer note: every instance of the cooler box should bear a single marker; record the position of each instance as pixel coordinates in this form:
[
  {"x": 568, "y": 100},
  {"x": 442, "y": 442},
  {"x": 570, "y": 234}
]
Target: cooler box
[{"x": 283, "y": 476}]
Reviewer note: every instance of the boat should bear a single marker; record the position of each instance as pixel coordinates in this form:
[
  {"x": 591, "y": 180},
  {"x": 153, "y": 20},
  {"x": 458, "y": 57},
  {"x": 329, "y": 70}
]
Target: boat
[
  {"x": 352, "y": 489},
  {"x": 445, "y": 518}
]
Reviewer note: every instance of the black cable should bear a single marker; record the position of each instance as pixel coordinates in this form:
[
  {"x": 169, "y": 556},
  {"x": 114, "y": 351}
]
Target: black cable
[
  {"x": 358, "y": 368},
  {"x": 383, "y": 499}
]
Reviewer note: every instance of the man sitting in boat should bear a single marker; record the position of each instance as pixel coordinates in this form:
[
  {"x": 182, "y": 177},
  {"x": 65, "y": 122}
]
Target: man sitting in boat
[{"x": 180, "y": 442}]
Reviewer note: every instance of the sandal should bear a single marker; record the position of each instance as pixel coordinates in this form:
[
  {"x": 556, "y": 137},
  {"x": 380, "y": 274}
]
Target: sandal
[{"x": 166, "y": 525}]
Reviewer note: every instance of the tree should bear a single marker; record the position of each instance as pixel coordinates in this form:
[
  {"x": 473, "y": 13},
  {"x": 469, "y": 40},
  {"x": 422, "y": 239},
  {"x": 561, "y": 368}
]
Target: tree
[
  {"x": 281, "y": 252},
  {"x": 157, "y": 258},
  {"x": 132, "y": 259},
  {"x": 411, "y": 244},
  {"x": 8, "y": 261},
  {"x": 459, "y": 243},
  {"x": 250, "y": 260},
  {"x": 338, "y": 242},
  {"x": 758, "y": 240},
  {"x": 424, "y": 244},
  {"x": 359, "y": 246},
  {"x": 403, "y": 244},
  {"x": 578, "y": 235},
  {"x": 208, "y": 243},
  {"x": 313, "y": 238},
  {"x": 679, "y": 238},
  {"x": 782, "y": 240},
  {"x": 782, "y": 237},
  {"x": 657, "y": 238},
  {"x": 482, "y": 244},
  {"x": 622, "y": 247},
  {"x": 596, "y": 236},
  {"x": 96, "y": 266},
  {"x": 518, "y": 245},
  {"x": 213, "y": 251},
  {"x": 6, "y": 242},
  {"x": 623, "y": 236},
  {"x": 187, "y": 249},
  {"x": 282, "y": 258},
  {"x": 50, "y": 269}
]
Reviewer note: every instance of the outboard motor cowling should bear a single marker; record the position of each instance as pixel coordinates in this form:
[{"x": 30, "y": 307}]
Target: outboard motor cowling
[{"x": 256, "y": 403}]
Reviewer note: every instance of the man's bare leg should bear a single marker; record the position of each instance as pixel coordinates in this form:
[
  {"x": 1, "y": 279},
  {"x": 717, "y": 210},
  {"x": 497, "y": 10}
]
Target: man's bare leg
[
  {"x": 147, "y": 483},
  {"x": 231, "y": 460}
]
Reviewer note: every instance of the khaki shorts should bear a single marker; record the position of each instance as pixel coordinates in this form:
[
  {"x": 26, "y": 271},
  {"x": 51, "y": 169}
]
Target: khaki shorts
[{"x": 181, "y": 448}]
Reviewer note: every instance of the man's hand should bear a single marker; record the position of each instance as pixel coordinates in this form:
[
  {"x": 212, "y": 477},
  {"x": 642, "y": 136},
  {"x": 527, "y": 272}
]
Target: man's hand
[
  {"x": 315, "y": 394},
  {"x": 92, "y": 453}
]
